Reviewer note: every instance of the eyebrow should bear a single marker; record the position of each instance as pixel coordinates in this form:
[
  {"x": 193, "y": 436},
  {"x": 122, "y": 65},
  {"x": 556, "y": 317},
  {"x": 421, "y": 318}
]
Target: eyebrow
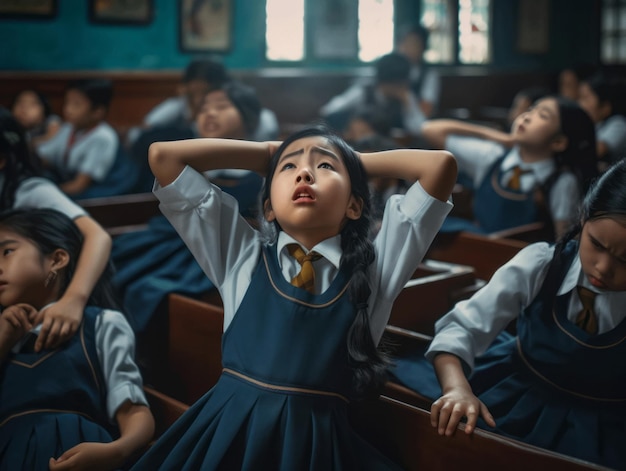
[
  {"x": 7, "y": 242},
  {"x": 320, "y": 150},
  {"x": 620, "y": 257}
]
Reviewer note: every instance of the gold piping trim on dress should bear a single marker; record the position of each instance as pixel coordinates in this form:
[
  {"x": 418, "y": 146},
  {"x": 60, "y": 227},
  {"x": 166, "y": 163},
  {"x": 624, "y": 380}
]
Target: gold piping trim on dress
[
  {"x": 275, "y": 387},
  {"x": 38, "y": 362},
  {"x": 560, "y": 388},
  {"x": 37, "y": 411},
  {"x": 504, "y": 193},
  {"x": 296, "y": 300},
  {"x": 597, "y": 347}
]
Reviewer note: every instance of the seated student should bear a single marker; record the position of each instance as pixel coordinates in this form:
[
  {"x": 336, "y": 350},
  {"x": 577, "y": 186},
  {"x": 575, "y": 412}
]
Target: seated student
[
  {"x": 390, "y": 90},
  {"x": 200, "y": 77},
  {"x": 32, "y": 110},
  {"x": 86, "y": 157},
  {"x": 523, "y": 100},
  {"x": 21, "y": 186},
  {"x": 82, "y": 404},
  {"x": 425, "y": 81},
  {"x": 152, "y": 263},
  {"x": 365, "y": 122},
  {"x": 537, "y": 172},
  {"x": 570, "y": 78},
  {"x": 603, "y": 98},
  {"x": 560, "y": 383}
]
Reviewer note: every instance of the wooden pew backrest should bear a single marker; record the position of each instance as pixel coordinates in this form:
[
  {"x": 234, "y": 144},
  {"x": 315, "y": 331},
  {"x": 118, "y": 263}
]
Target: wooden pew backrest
[
  {"x": 195, "y": 345},
  {"x": 403, "y": 433},
  {"x": 481, "y": 252},
  {"x": 124, "y": 213}
]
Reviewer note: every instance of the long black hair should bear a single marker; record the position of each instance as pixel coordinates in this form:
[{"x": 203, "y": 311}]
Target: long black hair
[
  {"x": 19, "y": 162},
  {"x": 606, "y": 197},
  {"x": 50, "y": 230},
  {"x": 580, "y": 155},
  {"x": 368, "y": 362}
]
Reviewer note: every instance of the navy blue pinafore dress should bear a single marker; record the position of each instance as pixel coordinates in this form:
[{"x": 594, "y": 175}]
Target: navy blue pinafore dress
[
  {"x": 51, "y": 401},
  {"x": 495, "y": 207},
  {"x": 553, "y": 385},
  {"x": 281, "y": 401}
]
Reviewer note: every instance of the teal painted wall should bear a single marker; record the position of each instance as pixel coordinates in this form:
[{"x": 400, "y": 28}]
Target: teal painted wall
[{"x": 71, "y": 42}]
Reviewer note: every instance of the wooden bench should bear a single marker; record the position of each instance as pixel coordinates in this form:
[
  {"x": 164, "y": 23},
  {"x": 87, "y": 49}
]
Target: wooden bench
[
  {"x": 485, "y": 254},
  {"x": 432, "y": 291},
  {"x": 403, "y": 433},
  {"x": 124, "y": 213}
]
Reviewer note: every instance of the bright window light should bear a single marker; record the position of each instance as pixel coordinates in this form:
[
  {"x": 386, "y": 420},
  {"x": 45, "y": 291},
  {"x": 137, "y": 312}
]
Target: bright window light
[
  {"x": 285, "y": 30},
  {"x": 375, "y": 28}
]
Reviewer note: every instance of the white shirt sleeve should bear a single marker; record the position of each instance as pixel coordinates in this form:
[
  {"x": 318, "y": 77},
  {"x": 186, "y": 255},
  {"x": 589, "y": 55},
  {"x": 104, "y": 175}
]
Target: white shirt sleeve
[
  {"x": 474, "y": 156},
  {"x": 473, "y": 324},
  {"x": 413, "y": 117},
  {"x": 53, "y": 149},
  {"x": 40, "y": 193},
  {"x": 167, "y": 113},
  {"x": 352, "y": 97},
  {"x": 565, "y": 198},
  {"x": 613, "y": 133},
  {"x": 115, "y": 344},
  {"x": 97, "y": 153},
  {"x": 220, "y": 240},
  {"x": 410, "y": 223}
]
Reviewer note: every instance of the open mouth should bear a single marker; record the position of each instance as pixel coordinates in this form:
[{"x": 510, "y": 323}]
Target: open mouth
[{"x": 303, "y": 193}]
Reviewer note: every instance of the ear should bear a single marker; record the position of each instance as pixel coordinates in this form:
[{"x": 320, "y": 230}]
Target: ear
[
  {"x": 559, "y": 143},
  {"x": 355, "y": 208},
  {"x": 59, "y": 259},
  {"x": 268, "y": 212}
]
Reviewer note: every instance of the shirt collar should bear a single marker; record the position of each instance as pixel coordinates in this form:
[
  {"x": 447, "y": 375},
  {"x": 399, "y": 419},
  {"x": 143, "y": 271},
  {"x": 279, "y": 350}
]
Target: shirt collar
[
  {"x": 330, "y": 248},
  {"x": 575, "y": 277},
  {"x": 541, "y": 169}
]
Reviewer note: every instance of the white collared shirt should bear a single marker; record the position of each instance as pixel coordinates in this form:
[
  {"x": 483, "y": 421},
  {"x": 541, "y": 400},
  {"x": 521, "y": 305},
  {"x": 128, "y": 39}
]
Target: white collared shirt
[
  {"x": 228, "y": 248},
  {"x": 473, "y": 324},
  {"x": 476, "y": 156}
]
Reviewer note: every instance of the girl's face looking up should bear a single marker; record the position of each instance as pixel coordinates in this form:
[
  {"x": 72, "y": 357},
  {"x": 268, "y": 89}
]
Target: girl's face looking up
[
  {"x": 311, "y": 194},
  {"x": 219, "y": 117},
  {"x": 539, "y": 127},
  {"x": 23, "y": 271},
  {"x": 603, "y": 252}
]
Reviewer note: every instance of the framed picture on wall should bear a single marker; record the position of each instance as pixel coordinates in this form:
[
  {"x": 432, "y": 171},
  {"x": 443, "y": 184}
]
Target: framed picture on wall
[
  {"x": 33, "y": 9},
  {"x": 205, "y": 25},
  {"x": 121, "y": 11}
]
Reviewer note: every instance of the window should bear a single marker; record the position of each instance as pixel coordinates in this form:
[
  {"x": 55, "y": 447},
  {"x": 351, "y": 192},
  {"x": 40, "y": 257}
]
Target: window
[
  {"x": 331, "y": 25},
  {"x": 613, "y": 31},
  {"x": 459, "y": 31}
]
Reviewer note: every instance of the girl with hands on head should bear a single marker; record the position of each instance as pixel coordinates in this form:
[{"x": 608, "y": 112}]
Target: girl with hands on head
[
  {"x": 306, "y": 298},
  {"x": 78, "y": 406},
  {"x": 21, "y": 187}
]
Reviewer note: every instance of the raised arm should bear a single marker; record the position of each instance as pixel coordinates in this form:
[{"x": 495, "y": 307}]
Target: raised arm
[
  {"x": 61, "y": 320},
  {"x": 435, "y": 169},
  {"x": 436, "y": 131},
  {"x": 168, "y": 159}
]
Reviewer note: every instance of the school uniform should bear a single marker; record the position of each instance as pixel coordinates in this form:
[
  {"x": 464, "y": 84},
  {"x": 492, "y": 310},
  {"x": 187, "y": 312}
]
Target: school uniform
[
  {"x": 91, "y": 151},
  {"x": 488, "y": 166},
  {"x": 612, "y": 132},
  {"x": 340, "y": 108},
  {"x": 55, "y": 399},
  {"x": 425, "y": 83},
  {"x": 281, "y": 400},
  {"x": 553, "y": 385},
  {"x": 37, "y": 192}
]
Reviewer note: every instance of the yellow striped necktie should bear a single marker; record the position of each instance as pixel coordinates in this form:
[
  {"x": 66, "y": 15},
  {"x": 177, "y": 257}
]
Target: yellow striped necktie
[
  {"x": 586, "y": 318},
  {"x": 306, "y": 278}
]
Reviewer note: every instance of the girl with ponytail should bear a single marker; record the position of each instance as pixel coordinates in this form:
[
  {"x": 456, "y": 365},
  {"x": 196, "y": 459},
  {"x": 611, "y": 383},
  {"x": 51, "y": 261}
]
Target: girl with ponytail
[
  {"x": 560, "y": 382},
  {"x": 306, "y": 297}
]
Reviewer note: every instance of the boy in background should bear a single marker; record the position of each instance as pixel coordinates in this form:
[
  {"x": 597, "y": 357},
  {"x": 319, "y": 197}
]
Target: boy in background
[{"x": 84, "y": 150}]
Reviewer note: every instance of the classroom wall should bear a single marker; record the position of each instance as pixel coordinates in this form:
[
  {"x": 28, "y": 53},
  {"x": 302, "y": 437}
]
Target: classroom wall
[{"x": 71, "y": 42}]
